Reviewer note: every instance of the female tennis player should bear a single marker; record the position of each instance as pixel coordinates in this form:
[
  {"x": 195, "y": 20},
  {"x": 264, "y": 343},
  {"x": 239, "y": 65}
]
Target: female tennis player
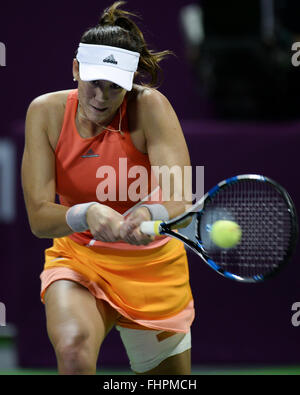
[{"x": 94, "y": 148}]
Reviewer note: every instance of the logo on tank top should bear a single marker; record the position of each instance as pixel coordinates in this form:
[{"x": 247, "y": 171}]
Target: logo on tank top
[
  {"x": 110, "y": 59},
  {"x": 90, "y": 154}
]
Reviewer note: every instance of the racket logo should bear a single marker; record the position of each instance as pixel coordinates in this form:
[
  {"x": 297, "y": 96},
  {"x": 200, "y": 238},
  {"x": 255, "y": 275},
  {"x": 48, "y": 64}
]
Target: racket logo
[
  {"x": 2, "y": 314},
  {"x": 2, "y": 55}
]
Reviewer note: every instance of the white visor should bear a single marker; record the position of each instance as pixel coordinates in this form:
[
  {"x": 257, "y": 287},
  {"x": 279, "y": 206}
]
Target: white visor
[{"x": 102, "y": 62}]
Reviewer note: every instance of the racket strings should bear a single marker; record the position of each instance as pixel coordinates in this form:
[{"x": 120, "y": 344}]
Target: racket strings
[{"x": 262, "y": 213}]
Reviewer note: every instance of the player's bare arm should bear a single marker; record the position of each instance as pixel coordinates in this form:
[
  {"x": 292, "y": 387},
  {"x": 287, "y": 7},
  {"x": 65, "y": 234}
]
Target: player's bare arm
[
  {"x": 48, "y": 219},
  {"x": 167, "y": 149}
]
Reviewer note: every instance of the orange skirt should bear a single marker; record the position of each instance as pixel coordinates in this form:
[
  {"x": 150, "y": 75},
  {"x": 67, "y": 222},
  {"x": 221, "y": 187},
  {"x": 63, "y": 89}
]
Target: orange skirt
[{"x": 149, "y": 288}]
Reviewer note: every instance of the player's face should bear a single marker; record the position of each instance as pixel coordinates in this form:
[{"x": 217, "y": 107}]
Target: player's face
[{"x": 99, "y": 100}]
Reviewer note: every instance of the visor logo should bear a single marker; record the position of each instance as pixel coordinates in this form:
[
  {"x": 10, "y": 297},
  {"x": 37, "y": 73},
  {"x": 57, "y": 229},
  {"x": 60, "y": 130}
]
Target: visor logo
[{"x": 110, "y": 59}]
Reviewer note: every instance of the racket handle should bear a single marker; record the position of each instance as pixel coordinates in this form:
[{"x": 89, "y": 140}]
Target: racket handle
[{"x": 150, "y": 228}]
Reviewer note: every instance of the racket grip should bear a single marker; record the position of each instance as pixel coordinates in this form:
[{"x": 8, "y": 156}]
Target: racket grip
[{"x": 150, "y": 228}]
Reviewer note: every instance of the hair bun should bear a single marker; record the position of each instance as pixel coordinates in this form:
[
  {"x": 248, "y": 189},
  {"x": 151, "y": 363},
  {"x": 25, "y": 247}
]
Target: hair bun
[
  {"x": 112, "y": 14},
  {"x": 107, "y": 20},
  {"x": 123, "y": 22}
]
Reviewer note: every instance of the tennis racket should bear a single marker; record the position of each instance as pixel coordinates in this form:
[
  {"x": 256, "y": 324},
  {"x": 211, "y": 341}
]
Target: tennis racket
[{"x": 267, "y": 218}]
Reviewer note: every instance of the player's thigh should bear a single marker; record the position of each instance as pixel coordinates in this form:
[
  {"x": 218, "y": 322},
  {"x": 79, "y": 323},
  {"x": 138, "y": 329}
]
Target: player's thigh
[
  {"x": 73, "y": 314},
  {"x": 179, "y": 364}
]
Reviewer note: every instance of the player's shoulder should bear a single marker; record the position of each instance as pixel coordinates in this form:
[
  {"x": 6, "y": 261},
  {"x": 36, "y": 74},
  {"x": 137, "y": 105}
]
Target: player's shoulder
[
  {"x": 50, "y": 103},
  {"x": 148, "y": 98}
]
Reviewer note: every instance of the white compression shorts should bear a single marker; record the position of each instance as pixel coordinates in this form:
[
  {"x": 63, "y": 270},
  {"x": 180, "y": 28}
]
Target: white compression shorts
[{"x": 146, "y": 350}]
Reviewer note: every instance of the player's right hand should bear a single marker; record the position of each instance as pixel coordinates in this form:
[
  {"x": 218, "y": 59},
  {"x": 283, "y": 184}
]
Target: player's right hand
[{"x": 104, "y": 223}]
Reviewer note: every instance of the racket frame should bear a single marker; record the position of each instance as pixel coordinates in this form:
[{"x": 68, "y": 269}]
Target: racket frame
[{"x": 165, "y": 228}]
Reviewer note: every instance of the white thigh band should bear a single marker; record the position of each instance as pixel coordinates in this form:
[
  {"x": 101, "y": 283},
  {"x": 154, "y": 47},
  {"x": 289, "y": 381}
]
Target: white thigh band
[{"x": 145, "y": 351}]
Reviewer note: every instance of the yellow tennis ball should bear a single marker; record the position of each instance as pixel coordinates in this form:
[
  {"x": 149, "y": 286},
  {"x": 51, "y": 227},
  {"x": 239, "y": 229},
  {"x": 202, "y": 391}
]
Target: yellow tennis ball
[{"x": 225, "y": 234}]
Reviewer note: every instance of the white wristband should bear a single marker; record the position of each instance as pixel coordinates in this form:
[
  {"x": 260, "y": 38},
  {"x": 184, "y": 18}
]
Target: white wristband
[
  {"x": 157, "y": 211},
  {"x": 76, "y": 216}
]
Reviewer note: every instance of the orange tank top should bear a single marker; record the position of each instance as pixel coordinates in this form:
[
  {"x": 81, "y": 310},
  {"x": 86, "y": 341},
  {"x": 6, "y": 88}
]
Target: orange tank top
[{"x": 106, "y": 168}]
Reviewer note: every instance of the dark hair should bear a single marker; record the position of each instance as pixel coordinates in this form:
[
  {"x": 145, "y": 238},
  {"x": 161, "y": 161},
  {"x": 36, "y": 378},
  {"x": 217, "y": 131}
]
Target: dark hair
[{"x": 117, "y": 29}]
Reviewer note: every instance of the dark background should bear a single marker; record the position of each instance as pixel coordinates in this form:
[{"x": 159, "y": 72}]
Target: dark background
[{"x": 234, "y": 323}]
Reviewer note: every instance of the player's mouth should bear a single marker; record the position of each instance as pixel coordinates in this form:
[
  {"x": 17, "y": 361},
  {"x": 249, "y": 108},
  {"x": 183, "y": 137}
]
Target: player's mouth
[{"x": 101, "y": 109}]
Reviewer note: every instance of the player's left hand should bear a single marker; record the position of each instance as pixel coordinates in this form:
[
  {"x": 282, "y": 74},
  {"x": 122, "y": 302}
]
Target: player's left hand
[{"x": 130, "y": 229}]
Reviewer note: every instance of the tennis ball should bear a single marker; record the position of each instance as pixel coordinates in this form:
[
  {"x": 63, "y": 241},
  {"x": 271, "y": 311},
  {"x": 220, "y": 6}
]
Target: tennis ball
[{"x": 225, "y": 234}]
